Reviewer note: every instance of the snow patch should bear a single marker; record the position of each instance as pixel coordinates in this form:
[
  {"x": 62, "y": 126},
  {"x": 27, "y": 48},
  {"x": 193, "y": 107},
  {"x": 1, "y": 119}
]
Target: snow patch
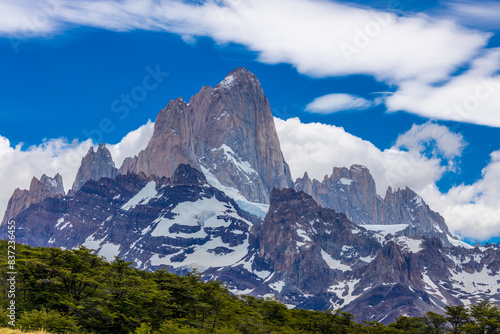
[
  {"x": 202, "y": 212},
  {"x": 256, "y": 209},
  {"x": 242, "y": 165},
  {"x": 340, "y": 289},
  {"x": 202, "y": 258},
  {"x": 146, "y": 230},
  {"x": 242, "y": 292},
  {"x": 432, "y": 288},
  {"x": 60, "y": 221},
  {"x": 482, "y": 282},
  {"x": 334, "y": 264},
  {"x": 303, "y": 235},
  {"x": 278, "y": 286},
  {"x": 459, "y": 243},
  {"x": 109, "y": 251},
  {"x": 417, "y": 200},
  {"x": 142, "y": 197},
  {"x": 92, "y": 243},
  {"x": 66, "y": 225},
  {"x": 386, "y": 229},
  {"x": 409, "y": 244},
  {"x": 345, "y": 181},
  {"x": 367, "y": 259},
  {"x": 227, "y": 82}
]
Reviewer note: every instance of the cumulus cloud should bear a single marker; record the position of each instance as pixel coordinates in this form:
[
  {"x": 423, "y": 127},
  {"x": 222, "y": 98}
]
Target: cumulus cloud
[
  {"x": 431, "y": 135},
  {"x": 331, "y": 103},
  {"x": 319, "y": 39},
  {"x": 317, "y": 148},
  {"x": 57, "y": 156},
  {"x": 51, "y": 157},
  {"x": 471, "y": 211},
  {"x": 132, "y": 143}
]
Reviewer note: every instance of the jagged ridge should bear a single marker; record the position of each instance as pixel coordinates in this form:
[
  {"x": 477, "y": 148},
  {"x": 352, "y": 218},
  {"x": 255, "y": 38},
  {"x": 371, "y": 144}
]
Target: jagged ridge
[{"x": 353, "y": 191}]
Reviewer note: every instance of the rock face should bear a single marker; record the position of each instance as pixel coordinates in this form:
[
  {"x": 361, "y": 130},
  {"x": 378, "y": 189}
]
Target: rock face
[
  {"x": 306, "y": 255},
  {"x": 94, "y": 166},
  {"x": 38, "y": 191},
  {"x": 227, "y": 130},
  {"x": 179, "y": 205},
  {"x": 53, "y": 184},
  {"x": 236, "y": 137},
  {"x": 404, "y": 206},
  {"x": 172, "y": 143},
  {"x": 178, "y": 223},
  {"x": 353, "y": 191},
  {"x": 312, "y": 257},
  {"x": 308, "y": 247}
]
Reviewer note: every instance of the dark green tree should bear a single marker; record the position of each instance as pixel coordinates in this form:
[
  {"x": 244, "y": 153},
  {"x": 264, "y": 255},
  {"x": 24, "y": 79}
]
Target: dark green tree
[
  {"x": 434, "y": 323},
  {"x": 457, "y": 317}
]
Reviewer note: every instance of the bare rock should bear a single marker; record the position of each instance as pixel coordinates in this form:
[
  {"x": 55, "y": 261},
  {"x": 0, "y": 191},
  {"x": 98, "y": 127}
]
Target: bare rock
[
  {"x": 172, "y": 143},
  {"x": 38, "y": 191},
  {"x": 53, "y": 184},
  {"x": 353, "y": 191},
  {"x": 236, "y": 137},
  {"x": 227, "y": 130},
  {"x": 95, "y": 165}
]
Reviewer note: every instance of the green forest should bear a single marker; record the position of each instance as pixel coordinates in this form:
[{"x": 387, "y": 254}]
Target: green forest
[{"x": 75, "y": 291}]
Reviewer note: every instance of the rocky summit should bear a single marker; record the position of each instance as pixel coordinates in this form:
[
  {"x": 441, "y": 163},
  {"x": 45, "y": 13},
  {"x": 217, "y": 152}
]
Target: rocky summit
[
  {"x": 94, "y": 166},
  {"x": 38, "y": 191},
  {"x": 212, "y": 191},
  {"x": 305, "y": 255},
  {"x": 227, "y": 131},
  {"x": 178, "y": 223},
  {"x": 315, "y": 258},
  {"x": 353, "y": 191}
]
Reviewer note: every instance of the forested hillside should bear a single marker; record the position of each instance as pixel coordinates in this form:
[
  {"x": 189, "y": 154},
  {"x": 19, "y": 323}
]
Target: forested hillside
[{"x": 77, "y": 291}]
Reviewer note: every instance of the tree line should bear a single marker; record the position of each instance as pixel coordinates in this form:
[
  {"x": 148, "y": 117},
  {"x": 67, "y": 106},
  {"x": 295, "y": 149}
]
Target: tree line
[{"x": 75, "y": 291}]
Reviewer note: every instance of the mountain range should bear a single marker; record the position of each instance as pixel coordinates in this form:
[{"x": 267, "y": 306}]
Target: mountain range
[{"x": 213, "y": 191}]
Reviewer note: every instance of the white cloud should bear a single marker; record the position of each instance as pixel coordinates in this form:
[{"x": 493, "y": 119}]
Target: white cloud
[
  {"x": 471, "y": 211},
  {"x": 27, "y": 18},
  {"x": 476, "y": 13},
  {"x": 320, "y": 38},
  {"x": 443, "y": 142},
  {"x": 472, "y": 97},
  {"x": 57, "y": 156},
  {"x": 317, "y": 148},
  {"x": 53, "y": 156},
  {"x": 331, "y": 103},
  {"x": 132, "y": 143}
]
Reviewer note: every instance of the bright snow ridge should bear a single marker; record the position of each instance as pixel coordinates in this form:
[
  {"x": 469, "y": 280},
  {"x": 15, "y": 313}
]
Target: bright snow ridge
[
  {"x": 386, "y": 229},
  {"x": 202, "y": 212},
  {"x": 345, "y": 181},
  {"x": 227, "y": 82},
  {"x": 332, "y": 263},
  {"x": 142, "y": 197},
  {"x": 256, "y": 209}
]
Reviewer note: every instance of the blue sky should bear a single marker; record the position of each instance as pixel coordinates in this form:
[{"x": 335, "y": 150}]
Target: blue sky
[{"x": 66, "y": 66}]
